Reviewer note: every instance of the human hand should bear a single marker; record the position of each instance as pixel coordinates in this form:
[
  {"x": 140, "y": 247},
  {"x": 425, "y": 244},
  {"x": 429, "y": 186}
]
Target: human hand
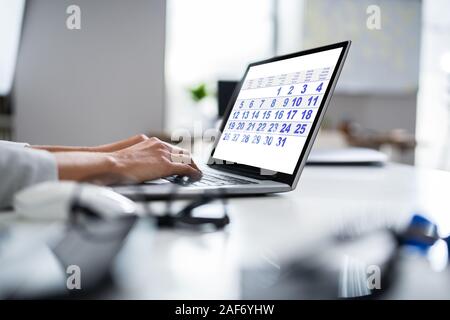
[{"x": 151, "y": 159}]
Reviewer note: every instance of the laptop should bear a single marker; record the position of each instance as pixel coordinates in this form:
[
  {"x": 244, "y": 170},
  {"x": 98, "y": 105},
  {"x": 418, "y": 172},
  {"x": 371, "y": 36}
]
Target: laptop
[{"x": 268, "y": 128}]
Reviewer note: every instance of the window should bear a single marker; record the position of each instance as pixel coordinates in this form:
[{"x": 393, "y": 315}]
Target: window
[
  {"x": 433, "y": 112},
  {"x": 11, "y": 14},
  {"x": 207, "y": 41}
]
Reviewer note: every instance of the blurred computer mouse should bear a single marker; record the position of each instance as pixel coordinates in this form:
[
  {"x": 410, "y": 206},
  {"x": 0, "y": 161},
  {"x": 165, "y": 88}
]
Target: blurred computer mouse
[{"x": 55, "y": 200}]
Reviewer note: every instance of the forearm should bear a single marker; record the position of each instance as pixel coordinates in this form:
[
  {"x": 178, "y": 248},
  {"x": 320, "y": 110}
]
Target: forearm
[
  {"x": 110, "y": 147},
  {"x": 147, "y": 160},
  {"x": 63, "y": 148},
  {"x": 86, "y": 166}
]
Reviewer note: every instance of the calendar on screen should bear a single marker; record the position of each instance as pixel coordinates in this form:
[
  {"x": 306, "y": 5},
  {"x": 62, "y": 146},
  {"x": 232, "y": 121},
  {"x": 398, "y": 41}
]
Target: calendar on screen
[{"x": 274, "y": 111}]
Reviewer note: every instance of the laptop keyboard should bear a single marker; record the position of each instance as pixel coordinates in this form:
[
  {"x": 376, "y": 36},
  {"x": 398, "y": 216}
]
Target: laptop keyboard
[{"x": 209, "y": 179}]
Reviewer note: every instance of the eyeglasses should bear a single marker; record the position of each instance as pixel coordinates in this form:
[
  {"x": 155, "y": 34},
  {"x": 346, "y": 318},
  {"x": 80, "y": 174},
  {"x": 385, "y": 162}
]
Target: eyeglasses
[{"x": 211, "y": 200}]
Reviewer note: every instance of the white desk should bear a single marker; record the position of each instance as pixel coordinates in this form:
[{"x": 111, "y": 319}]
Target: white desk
[{"x": 189, "y": 265}]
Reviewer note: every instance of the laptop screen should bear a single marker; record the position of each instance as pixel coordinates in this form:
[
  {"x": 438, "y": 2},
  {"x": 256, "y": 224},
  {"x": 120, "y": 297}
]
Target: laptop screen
[{"x": 274, "y": 111}]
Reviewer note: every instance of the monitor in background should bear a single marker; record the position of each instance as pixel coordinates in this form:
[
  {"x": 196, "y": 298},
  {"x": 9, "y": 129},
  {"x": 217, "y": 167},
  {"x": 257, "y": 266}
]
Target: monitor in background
[{"x": 224, "y": 92}]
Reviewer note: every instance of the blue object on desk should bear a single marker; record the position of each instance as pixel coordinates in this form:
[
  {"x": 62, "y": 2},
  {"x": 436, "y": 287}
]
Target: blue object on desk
[{"x": 420, "y": 234}]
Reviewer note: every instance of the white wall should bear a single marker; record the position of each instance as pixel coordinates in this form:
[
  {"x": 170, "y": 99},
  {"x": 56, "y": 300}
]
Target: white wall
[
  {"x": 385, "y": 60},
  {"x": 94, "y": 85},
  {"x": 379, "y": 82}
]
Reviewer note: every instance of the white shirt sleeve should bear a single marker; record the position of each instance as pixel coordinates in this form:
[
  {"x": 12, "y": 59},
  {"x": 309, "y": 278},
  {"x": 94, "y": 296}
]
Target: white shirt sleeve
[
  {"x": 21, "y": 167},
  {"x": 13, "y": 144}
]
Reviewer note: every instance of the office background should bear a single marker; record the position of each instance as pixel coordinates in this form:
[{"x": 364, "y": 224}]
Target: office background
[
  {"x": 153, "y": 66},
  {"x": 137, "y": 67}
]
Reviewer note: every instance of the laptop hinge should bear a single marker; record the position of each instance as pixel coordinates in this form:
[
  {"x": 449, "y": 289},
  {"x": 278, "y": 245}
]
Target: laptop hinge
[{"x": 243, "y": 172}]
